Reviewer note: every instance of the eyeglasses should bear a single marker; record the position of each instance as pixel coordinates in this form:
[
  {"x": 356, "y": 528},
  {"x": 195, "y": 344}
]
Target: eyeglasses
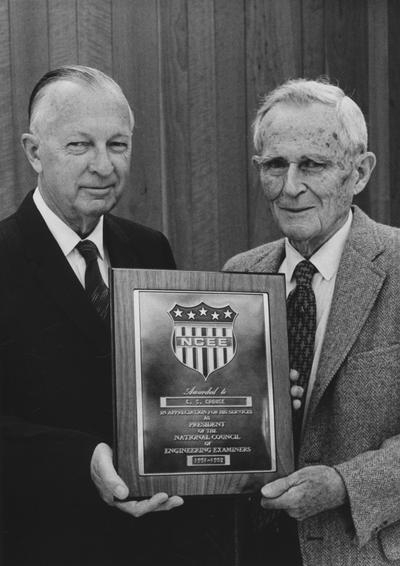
[{"x": 278, "y": 166}]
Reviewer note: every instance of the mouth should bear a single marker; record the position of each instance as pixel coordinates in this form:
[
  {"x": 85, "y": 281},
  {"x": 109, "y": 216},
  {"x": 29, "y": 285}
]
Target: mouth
[
  {"x": 297, "y": 210},
  {"x": 98, "y": 188}
]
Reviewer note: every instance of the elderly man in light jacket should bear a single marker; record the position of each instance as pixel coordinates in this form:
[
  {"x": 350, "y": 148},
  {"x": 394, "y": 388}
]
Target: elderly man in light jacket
[{"x": 344, "y": 497}]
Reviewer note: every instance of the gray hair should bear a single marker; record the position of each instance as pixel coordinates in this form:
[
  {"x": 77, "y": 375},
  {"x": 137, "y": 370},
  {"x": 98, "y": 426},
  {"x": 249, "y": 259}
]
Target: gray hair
[
  {"x": 78, "y": 74},
  {"x": 352, "y": 131}
]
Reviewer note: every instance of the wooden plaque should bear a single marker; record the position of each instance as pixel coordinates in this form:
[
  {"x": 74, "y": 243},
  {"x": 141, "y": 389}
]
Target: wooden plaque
[{"x": 201, "y": 381}]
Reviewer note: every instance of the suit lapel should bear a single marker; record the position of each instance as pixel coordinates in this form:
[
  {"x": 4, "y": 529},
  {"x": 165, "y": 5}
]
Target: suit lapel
[
  {"x": 56, "y": 276},
  {"x": 358, "y": 283},
  {"x": 271, "y": 257}
]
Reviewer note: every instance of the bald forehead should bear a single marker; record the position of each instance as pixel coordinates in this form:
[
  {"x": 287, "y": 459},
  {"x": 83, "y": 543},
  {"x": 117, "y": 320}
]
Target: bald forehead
[
  {"x": 314, "y": 123},
  {"x": 314, "y": 115},
  {"x": 64, "y": 100}
]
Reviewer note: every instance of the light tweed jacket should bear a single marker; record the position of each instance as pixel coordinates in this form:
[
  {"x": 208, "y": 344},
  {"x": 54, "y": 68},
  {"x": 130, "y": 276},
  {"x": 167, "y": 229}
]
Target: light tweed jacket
[{"x": 353, "y": 422}]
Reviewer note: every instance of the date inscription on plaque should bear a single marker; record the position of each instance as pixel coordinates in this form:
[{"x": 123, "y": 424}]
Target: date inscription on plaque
[{"x": 201, "y": 405}]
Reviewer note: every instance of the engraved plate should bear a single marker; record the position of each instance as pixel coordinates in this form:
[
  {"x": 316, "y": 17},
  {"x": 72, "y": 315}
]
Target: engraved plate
[{"x": 199, "y": 358}]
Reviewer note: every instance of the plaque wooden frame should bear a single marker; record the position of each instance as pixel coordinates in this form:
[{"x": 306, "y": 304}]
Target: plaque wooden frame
[{"x": 147, "y": 352}]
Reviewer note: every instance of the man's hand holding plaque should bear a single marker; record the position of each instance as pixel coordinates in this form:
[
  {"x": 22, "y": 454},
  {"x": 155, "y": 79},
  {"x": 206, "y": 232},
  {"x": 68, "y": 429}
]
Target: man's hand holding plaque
[
  {"x": 112, "y": 488},
  {"x": 306, "y": 492}
]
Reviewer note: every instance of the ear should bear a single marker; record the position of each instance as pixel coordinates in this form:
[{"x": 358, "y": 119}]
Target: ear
[
  {"x": 365, "y": 165},
  {"x": 30, "y": 144}
]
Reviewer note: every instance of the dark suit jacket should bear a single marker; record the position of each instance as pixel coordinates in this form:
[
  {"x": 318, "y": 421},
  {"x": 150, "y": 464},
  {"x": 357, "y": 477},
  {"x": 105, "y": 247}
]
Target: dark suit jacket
[{"x": 57, "y": 396}]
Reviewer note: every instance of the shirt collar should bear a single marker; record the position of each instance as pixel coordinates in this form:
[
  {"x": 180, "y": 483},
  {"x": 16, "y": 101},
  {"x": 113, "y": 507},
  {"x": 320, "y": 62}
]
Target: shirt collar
[
  {"x": 326, "y": 259},
  {"x": 65, "y": 237}
]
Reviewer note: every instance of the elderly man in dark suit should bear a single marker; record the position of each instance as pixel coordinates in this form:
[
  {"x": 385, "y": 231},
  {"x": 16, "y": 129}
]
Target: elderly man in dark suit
[
  {"x": 55, "y": 334},
  {"x": 343, "y": 279},
  {"x": 55, "y": 369}
]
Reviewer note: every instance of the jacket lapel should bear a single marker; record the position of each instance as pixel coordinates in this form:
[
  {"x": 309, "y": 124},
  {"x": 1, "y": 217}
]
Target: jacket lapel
[
  {"x": 56, "y": 276},
  {"x": 358, "y": 283},
  {"x": 270, "y": 258}
]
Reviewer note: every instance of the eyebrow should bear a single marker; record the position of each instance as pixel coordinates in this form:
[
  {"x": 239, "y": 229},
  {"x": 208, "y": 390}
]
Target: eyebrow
[
  {"x": 86, "y": 134},
  {"x": 316, "y": 156}
]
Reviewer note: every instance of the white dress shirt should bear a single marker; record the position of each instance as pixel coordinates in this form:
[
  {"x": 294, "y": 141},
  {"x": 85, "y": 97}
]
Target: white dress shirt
[
  {"x": 326, "y": 259},
  {"x": 67, "y": 239}
]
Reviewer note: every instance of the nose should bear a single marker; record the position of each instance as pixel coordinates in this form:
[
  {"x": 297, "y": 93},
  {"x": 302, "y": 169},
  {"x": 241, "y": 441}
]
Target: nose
[
  {"x": 101, "y": 163},
  {"x": 293, "y": 183}
]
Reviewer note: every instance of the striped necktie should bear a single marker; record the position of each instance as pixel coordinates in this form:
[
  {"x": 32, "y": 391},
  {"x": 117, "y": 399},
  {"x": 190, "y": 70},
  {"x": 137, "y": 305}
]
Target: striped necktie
[{"x": 94, "y": 284}]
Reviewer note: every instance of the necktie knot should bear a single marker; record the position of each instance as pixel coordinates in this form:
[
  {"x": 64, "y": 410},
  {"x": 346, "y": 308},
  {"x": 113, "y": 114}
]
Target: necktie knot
[
  {"x": 304, "y": 272},
  {"x": 88, "y": 250}
]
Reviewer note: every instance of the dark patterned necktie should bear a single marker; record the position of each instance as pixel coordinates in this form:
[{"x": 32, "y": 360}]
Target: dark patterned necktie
[
  {"x": 302, "y": 323},
  {"x": 94, "y": 284},
  {"x": 301, "y": 311}
]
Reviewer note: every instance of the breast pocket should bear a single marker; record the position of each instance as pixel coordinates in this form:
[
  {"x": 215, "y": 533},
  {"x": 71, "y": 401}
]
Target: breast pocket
[{"x": 366, "y": 397}]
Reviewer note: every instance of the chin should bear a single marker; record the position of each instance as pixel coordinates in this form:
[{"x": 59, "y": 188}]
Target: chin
[
  {"x": 297, "y": 233},
  {"x": 100, "y": 206}
]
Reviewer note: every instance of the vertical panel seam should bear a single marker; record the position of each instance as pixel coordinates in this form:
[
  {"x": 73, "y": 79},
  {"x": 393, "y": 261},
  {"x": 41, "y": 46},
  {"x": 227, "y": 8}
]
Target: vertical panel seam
[
  {"x": 112, "y": 37},
  {"x": 10, "y": 73},
  {"x": 48, "y": 35},
  {"x": 380, "y": 209},
  {"x": 248, "y": 172},
  {"x": 78, "y": 44},
  {"x": 12, "y": 82},
  {"x": 216, "y": 179},
  {"x": 325, "y": 36},
  {"x": 302, "y": 38},
  {"x": 161, "y": 108},
  {"x": 246, "y": 145},
  {"x": 188, "y": 136}
]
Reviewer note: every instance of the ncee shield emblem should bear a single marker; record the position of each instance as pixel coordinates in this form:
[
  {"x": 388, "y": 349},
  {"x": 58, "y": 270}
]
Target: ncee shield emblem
[{"x": 203, "y": 337}]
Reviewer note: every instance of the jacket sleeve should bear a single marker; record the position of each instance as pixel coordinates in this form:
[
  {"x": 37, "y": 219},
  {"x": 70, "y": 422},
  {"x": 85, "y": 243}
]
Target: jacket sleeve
[
  {"x": 372, "y": 481},
  {"x": 44, "y": 464}
]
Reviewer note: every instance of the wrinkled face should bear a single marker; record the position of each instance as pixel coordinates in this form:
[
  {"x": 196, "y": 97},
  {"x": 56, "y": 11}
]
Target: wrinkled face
[
  {"x": 83, "y": 151},
  {"x": 306, "y": 176}
]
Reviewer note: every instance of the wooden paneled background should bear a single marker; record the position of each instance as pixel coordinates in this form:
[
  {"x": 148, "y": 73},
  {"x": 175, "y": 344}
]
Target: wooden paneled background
[{"x": 194, "y": 72}]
